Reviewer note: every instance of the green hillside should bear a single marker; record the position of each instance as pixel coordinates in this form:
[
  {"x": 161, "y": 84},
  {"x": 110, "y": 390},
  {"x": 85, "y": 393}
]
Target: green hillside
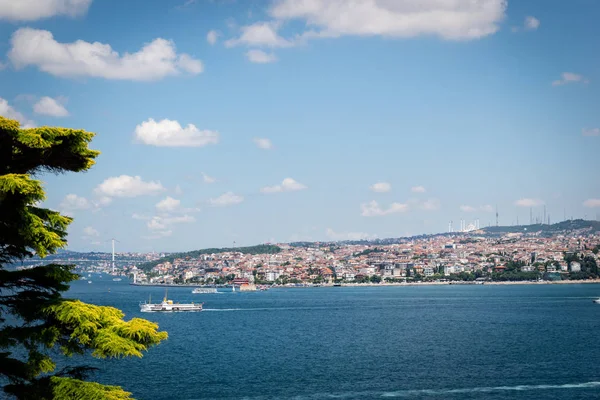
[
  {"x": 569, "y": 225},
  {"x": 258, "y": 249}
]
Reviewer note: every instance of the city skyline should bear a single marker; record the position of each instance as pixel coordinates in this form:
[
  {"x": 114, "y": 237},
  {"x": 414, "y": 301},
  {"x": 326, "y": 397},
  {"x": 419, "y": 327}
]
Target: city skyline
[{"x": 254, "y": 122}]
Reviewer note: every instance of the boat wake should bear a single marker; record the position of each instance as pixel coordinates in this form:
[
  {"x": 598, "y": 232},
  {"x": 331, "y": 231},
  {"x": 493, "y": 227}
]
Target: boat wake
[
  {"x": 428, "y": 393},
  {"x": 441, "y": 392}
]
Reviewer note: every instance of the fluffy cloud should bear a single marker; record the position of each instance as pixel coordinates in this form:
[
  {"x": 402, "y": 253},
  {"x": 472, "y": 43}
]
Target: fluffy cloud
[
  {"x": 373, "y": 209},
  {"x": 7, "y": 111},
  {"x": 260, "y": 34},
  {"x": 590, "y": 131},
  {"x": 31, "y": 10},
  {"x": 448, "y": 19},
  {"x": 127, "y": 186},
  {"x": 529, "y": 202},
  {"x": 90, "y": 231},
  {"x": 158, "y": 223},
  {"x": 592, "y": 203},
  {"x": 167, "y": 133},
  {"x": 154, "y": 61},
  {"x": 348, "y": 235},
  {"x": 49, "y": 106},
  {"x": 531, "y": 23},
  {"x": 226, "y": 199},
  {"x": 260, "y": 57},
  {"x": 168, "y": 204},
  {"x": 263, "y": 143},
  {"x": 72, "y": 202},
  {"x": 208, "y": 179},
  {"x": 417, "y": 189},
  {"x": 212, "y": 37},
  {"x": 381, "y": 187},
  {"x": 287, "y": 185},
  {"x": 570, "y": 77},
  {"x": 466, "y": 208}
]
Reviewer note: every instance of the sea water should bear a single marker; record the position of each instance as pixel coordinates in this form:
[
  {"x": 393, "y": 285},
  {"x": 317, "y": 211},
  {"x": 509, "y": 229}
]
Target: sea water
[{"x": 413, "y": 342}]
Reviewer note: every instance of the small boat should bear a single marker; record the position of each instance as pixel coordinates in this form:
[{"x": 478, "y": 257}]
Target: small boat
[
  {"x": 168, "y": 305},
  {"x": 117, "y": 279},
  {"x": 89, "y": 281},
  {"x": 597, "y": 300},
  {"x": 204, "y": 290}
]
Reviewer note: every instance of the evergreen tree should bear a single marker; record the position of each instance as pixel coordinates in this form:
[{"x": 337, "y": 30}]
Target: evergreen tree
[{"x": 35, "y": 320}]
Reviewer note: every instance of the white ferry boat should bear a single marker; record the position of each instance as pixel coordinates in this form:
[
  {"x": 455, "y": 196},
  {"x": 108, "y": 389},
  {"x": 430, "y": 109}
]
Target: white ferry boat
[
  {"x": 204, "y": 290},
  {"x": 597, "y": 301},
  {"x": 168, "y": 305},
  {"x": 117, "y": 279}
]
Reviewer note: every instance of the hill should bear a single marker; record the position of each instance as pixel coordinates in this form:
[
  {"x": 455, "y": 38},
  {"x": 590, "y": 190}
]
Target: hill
[
  {"x": 258, "y": 249},
  {"x": 563, "y": 226}
]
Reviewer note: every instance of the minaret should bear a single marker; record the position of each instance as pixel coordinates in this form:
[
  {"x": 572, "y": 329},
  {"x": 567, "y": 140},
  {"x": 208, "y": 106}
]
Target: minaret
[{"x": 496, "y": 215}]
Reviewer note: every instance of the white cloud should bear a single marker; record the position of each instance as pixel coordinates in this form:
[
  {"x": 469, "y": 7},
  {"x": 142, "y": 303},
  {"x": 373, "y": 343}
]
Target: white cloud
[
  {"x": 531, "y": 23},
  {"x": 570, "y": 77},
  {"x": 263, "y": 143},
  {"x": 168, "y": 204},
  {"x": 127, "y": 186},
  {"x": 226, "y": 199},
  {"x": 381, "y": 187},
  {"x": 430, "y": 205},
  {"x": 90, "y": 231},
  {"x": 178, "y": 190},
  {"x": 487, "y": 208},
  {"x": 159, "y": 223},
  {"x": 260, "y": 34},
  {"x": 348, "y": 235},
  {"x": 590, "y": 131},
  {"x": 154, "y": 61},
  {"x": 212, "y": 37},
  {"x": 287, "y": 185},
  {"x": 529, "y": 202},
  {"x": 102, "y": 201},
  {"x": 167, "y": 133},
  {"x": 208, "y": 179},
  {"x": 49, "y": 106},
  {"x": 466, "y": 208},
  {"x": 373, "y": 209},
  {"x": 31, "y": 10},
  {"x": 72, "y": 202},
  {"x": 417, "y": 189},
  {"x": 7, "y": 111},
  {"x": 592, "y": 203},
  {"x": 260, "y": 57},
  {"x": 448, "y": 19}
]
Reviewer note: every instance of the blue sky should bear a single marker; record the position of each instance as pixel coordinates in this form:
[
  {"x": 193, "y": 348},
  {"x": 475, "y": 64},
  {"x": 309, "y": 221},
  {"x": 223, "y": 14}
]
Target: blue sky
[{"x": 318, "y": 120}]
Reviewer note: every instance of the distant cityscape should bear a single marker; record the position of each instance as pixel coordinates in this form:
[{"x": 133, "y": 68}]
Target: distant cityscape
[{"x": 561, "y": 252}]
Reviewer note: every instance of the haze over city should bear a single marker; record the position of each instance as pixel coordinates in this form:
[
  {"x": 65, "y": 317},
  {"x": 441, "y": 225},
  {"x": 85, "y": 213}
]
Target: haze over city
[{"x": 255, "y": 121}]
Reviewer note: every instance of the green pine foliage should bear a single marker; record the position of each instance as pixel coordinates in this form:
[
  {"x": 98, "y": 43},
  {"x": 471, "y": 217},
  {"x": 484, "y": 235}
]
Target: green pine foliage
[{"x": 34, "y": 317}]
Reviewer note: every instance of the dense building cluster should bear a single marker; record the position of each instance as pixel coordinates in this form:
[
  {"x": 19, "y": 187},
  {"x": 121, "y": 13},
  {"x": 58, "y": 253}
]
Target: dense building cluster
[{"x": 466, "y": 257}]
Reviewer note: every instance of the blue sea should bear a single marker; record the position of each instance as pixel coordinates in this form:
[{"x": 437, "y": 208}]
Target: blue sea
[{"x": 427, "y": 342}]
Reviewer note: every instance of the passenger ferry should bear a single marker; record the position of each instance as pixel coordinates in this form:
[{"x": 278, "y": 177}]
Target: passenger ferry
[
  {"x": 168, "y": 305},
  {"x": 204, "y": 290}
]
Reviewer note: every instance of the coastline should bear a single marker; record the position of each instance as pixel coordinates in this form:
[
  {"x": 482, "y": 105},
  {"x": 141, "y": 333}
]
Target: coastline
[{"x": 455, "y": 283}]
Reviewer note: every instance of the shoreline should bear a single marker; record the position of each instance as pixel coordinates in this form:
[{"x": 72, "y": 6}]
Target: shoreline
[{"x": 455, "y": 283}]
